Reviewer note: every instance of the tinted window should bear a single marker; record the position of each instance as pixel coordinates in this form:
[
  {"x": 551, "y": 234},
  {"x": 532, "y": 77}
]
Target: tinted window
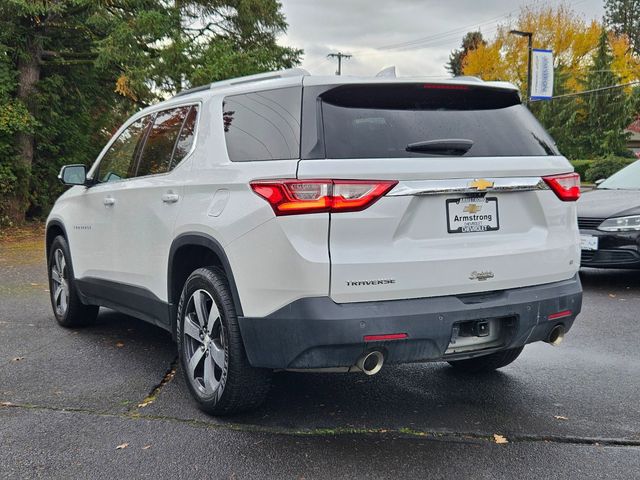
[
  {"x": 119, "y": 162},
  {"x": 263, "y": 125},
  {"x": 187, "y": 136},
  {"x": 374, "y": 121},
  {"x": 158, "y": 148}
]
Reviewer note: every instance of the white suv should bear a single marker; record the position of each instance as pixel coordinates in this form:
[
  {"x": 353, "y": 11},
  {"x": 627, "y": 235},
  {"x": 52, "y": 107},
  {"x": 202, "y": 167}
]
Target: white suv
[{"x": 287, "y": 221}]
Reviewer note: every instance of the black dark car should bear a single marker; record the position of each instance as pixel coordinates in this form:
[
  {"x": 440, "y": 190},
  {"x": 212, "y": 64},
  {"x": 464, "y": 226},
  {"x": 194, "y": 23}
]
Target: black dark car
[{"x": 609, "y": 221}]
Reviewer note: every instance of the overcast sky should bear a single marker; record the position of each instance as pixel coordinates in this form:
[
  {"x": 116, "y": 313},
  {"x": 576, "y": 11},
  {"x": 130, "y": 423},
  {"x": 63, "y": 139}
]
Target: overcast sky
[{"x": 364, "y": 28}]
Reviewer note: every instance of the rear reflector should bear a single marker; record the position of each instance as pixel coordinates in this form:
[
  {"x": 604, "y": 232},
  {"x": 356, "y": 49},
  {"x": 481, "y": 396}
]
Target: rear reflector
[
  {"x": 562, "y": 314},
  {"x": 290, "y": 197},
  {"x": 565, "y": 186},
  {"x": 388, "y": 336}
]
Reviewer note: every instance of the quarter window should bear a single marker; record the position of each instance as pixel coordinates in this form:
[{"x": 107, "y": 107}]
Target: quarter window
[
  {"x": 119, "y": 162},
  {"x": 186, "y": 138},
  {"x": 158, "y": 148},
  {"x": 263, "y": 125}
]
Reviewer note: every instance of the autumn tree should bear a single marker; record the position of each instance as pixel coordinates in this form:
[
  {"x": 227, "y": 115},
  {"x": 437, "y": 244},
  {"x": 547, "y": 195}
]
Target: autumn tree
[
  {"x": 470, "y": 41},
  {"x": 576, "y": 122},
  {"x": 623, "y": 17},
  {"x": 560, "y": 29}
]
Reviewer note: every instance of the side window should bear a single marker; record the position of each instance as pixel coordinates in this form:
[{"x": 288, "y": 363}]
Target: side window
[
  {"x": 158, "y": 148},
  {"x": 187, "y": 136},
  {"x": 119, "y": 162},
  {"x": 263, "y": 125}
]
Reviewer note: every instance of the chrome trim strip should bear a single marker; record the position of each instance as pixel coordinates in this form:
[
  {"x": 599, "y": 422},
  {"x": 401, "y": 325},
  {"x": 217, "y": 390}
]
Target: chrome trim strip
[{"x": 461, "y": 185}]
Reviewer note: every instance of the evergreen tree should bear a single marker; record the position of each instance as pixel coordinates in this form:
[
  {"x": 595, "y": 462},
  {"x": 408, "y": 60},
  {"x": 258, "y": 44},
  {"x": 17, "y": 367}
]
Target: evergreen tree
[
  {"x": 470, "y": 41},
  {"x": 623, "y": 17},
  {"x": 72, "y": 70},
  {"x": 559, "y": 116},
  {"x": 39, "y": 39},
  {"x": 603, "y": 114}
]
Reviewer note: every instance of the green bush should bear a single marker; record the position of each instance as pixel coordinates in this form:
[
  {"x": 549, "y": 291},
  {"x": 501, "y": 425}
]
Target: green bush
[
  {"x": 605, "y": 167},
  {"x": 581, "y": 167}
]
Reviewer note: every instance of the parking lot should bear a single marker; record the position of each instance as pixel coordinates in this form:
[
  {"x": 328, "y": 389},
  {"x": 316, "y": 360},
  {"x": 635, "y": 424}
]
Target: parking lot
[{"x": 70, "y": 398}]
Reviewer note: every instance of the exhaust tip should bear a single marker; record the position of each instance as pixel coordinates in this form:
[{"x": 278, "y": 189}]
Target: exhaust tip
[
  {"x": 371, "y": 363},
  {"x": 556, "y": 336}
]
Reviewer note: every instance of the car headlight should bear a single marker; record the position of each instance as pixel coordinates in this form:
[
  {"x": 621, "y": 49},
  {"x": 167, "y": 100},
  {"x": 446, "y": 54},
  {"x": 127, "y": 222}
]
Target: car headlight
[{"x": 621, "y": 224}]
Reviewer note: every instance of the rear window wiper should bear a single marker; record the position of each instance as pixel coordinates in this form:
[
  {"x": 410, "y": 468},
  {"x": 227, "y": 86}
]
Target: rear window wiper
[{"x": 444, "y": 146}]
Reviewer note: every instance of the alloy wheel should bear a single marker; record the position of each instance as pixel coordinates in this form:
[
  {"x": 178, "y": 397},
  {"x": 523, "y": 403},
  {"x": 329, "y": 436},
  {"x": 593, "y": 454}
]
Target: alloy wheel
[
  {"x": 204, "y": 344},
  {"x": 59, "y": 283}
]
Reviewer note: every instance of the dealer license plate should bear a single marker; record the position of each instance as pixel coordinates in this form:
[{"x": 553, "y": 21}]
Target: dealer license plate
[
  {"x": 472, "y": 214},
  {"x": 588, "y": 242}
]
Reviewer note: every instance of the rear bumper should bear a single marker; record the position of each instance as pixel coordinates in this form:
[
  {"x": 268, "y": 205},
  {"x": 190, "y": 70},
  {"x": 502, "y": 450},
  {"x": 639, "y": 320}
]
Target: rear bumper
[{"x": 319, "y": 333}]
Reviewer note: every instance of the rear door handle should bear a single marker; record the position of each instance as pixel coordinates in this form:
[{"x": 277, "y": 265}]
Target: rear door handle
[
  {"x": 109, "y": 201},
  {"x": 170, "y": 197}
]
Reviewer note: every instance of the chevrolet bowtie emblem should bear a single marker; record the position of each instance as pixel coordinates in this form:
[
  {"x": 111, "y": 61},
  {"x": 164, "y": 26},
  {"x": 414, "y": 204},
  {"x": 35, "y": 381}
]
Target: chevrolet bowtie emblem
[
  {"x": 472, "y": 208},
  {"x": 480, "y": 184}
]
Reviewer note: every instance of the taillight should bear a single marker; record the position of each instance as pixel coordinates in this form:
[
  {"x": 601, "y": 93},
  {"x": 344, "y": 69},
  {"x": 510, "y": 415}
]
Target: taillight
[
  {"x": 566, "y": 186},
  {"x": 290, "y": 197},
  {"x": 442, "y": 86}
]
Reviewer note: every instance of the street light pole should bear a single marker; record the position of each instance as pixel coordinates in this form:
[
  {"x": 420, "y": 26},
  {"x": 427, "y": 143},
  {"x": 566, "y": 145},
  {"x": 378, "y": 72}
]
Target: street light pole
[{"x": 529, "y": 36}]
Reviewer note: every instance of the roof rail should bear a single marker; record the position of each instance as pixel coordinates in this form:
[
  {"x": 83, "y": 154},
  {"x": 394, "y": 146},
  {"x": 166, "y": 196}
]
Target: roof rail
[{"x": 260, "y": 77}]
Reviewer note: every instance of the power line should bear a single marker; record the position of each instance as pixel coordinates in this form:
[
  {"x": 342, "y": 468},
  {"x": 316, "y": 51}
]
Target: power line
[
  {"x": 441, "y": 35},
  {"x": 594, "y": 90},
  {"x": 447, "y": 36},
  {"x": 435, "y": 43},
  {"x": 316, "y": 63}
]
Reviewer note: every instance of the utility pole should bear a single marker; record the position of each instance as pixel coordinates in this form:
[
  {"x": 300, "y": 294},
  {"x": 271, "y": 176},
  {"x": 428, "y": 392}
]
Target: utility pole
[
  {"x": 339, "y": 56},
  {"x": 529, "y": 36}
]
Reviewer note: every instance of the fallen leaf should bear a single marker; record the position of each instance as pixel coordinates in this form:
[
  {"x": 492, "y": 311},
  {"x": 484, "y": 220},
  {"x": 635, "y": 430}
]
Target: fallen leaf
[
  {"x": 17, "y": 359},
  {"x": 6, "y": 404},
  {"x": 499, "y": 439},
  {"x": 119, "y": 344},
  {"x": 122, "y": 446},
  {"x": 612, "y": 295},
  {"x": 146, "y": 447},
  {"x": 144, "y": 404},
  {"x": 560, "y": 417}
]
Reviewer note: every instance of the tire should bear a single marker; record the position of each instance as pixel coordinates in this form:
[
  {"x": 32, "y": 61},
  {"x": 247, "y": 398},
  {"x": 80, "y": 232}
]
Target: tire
[
  {"x": 67, "y": 308},
  {"x": 211, "y": 351},
  {"x": 487, "y": 363}
]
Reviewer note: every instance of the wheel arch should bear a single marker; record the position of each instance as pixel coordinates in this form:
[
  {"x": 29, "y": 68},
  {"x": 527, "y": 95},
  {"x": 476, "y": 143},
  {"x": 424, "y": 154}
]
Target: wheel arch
[
  {"x": 188, "y": 252},
  {"x": 54, "y": 228}
]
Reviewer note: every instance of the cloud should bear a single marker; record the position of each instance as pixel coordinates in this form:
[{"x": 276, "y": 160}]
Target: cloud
[{"x": 362, "y": 27}]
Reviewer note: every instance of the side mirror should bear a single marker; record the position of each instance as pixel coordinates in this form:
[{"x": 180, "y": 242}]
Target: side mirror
[
  {"x": 599, "y": 181},
  {"x": 73, "y": 175}
]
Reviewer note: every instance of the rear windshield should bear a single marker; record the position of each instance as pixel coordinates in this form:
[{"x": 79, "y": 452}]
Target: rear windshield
[{"x": 377, "y": 121}]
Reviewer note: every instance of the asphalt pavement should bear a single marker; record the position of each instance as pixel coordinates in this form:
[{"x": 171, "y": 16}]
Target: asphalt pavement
[{"x": 70, "y": 398}]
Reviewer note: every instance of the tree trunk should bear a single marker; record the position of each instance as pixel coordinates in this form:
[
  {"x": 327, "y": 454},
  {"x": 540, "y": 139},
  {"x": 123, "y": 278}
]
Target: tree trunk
[{"x": 28, "y": 77}]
